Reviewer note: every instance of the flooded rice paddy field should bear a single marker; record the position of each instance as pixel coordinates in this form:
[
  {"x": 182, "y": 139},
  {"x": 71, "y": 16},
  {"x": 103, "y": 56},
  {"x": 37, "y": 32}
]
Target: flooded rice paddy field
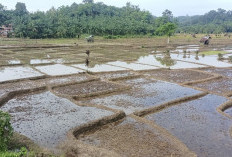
[
  {"x": 177, "y": 76},
  {"x": 53, "y": 96},
  {"x": 46, "y": 118},
  {"x": 198, "y": 125}
]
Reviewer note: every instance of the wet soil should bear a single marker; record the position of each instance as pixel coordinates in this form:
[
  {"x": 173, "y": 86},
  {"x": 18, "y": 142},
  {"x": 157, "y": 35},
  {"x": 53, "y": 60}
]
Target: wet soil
[
  {"x": 222, "y": 71},
  {"x": 58, "y": 69},
  {"x": 132, "y": 65},
  {"x": 46, "y": 118},
  {"x": 115, "y": 75},
  {"x": 198, "y": 125},
  {"x": 221, "y": 86},
  {"x": 99, "y": 68},
  {"x": 87, "y": 88},
  {"x": 145, "y": 93},
  {"x": 177, "y": 76},
  {"x": 132, "y": 138},
  {"x": 31, "y": 84}
]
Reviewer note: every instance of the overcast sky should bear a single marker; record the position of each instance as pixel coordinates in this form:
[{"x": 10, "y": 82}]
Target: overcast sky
[{"x": 156, "y": 7}]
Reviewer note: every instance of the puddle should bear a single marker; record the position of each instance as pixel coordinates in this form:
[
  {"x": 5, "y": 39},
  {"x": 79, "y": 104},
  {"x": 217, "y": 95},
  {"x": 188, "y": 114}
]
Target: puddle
[
  {"x": 115, "y": 75},
  {"x": 144, "y": 94},
  {"x": 99, "y": 68},
  {"x": 132, "y": 138},
  {"x": 87, "y": 88},
  {"x": 45, "y": 61},
  {"x": 187, "y": 48},
  {"x": 14, "y": 62},
  {"x": 207, "y": 60},
  {"x": 229, "y": 111},
  {"x": 132, "y": 66},
  {"x": 177, "y": 76},
  {"x": 15, "y": 73},
  {"x": 198, "y": 125},
  {"x": 166, "y": 62},
  {"x": 58, "y": 69},
  {"x": 46, "y": 118},
  {"x": 221, "y": 86},
  {"x": 221, "y": 71}
]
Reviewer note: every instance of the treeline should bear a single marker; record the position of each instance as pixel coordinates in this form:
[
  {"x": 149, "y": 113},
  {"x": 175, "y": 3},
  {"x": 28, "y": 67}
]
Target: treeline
[
  {"x": 215, "y": 21},
  {"x": 85, "y": 18}
]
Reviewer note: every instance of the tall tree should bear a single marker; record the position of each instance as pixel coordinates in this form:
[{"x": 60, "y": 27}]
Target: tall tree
[
  {"x": 87, "y": 1},
  {"x": 20, "y": 9}
]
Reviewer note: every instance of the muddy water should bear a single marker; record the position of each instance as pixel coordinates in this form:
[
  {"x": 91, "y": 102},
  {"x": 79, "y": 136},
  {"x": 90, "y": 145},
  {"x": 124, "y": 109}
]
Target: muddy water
[
  {"x": 45, "y": 61},
  {"x": 144, "y": 94},
  {"x": 221, "y": 86},
  {"x": 166, "y": 62},
  {"x": 30, "y": 84},
  {"x": 87, "y": 88},
  {"x": 198, "y": 125},
  {"x": 207, "y": 60},
  {"x": 15, "y": 73},
  {"x": 14, "y": 62},
  {"x": 99, "y": 68},
  {"x": 187, "y": 48},
  {"x": 221, "y": 71},
  {"x": 132, "y": 138},
  {"x": 229, "y": 111},
  {"x": 114, "y": 75},
  {"x": 46, "y": 118},
  {"x": 68, "y": 79},
  {"x": 177, "y": 76},
  {"x": 132, "y": 66},
  {"x": 17, "y": 86},
  {"x": 58, "y": 69}
]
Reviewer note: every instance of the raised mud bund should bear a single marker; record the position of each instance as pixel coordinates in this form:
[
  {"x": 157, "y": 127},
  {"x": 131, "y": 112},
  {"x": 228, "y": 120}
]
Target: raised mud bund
[{"x": 123, "y": 113}]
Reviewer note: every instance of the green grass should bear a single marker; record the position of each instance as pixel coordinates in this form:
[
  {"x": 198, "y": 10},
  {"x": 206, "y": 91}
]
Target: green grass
[{"x": 207, "y": 53}]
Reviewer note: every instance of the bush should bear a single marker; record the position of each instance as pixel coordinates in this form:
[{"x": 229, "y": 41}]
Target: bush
[
  {"x": 230, "y": 59},
  {"x": 111, "y": 37},
  {"x": 220, "y": 56},
  {"x": 6, "y": 130},
  {"x": 22, "y": 153}
]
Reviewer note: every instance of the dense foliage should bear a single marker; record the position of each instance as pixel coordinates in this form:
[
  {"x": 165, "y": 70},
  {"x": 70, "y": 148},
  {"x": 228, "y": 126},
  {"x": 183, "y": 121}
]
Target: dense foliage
[
  {"x": 6, "y": 130},
  {"x": 215, "y": 21},
  {"x": 85, "y": 18}
]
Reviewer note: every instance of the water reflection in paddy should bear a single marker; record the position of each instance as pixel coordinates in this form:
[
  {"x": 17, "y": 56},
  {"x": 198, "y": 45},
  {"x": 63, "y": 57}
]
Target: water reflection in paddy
[
  {"x": 165, "y": 62},
  {"x": 206, "y": 60},
  {"x": 14, "y": 73}
]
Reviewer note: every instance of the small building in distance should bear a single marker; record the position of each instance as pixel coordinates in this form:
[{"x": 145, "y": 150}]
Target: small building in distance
[{"x": 6, "y": 30}]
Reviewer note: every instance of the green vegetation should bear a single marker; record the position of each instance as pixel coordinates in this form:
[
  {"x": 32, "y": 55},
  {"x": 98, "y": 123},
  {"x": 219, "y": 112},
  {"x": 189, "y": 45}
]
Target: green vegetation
[
  {"x": 6, "y": 137},
  {"x": 23, "y": 152},
  {"x": 6, "y": 130},
  {"x": 215, "y": 21},
  {"x": 85, "y": 18},
  {"x": 207, "y": 53}
]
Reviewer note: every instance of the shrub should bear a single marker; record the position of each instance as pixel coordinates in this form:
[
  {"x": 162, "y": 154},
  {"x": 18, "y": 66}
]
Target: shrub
[
  {"x": 230, "y": 59},
  {"x": 20, "y": 153},
  {"x": 6, "y": 130},
  {"x": 220, "y": 56}
]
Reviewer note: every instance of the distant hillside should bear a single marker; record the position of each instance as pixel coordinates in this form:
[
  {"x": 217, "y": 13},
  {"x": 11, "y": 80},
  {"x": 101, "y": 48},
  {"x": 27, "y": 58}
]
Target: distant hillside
[{"x": 215, "y": 21}]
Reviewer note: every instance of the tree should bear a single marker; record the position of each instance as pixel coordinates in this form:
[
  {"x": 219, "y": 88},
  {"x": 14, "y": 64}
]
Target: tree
[
  {"x": 20, "y": 9},
  {"x": 167, "y": 14},
  {"x": 167, "y": 29},
  {"x": 87, "y": 1}
]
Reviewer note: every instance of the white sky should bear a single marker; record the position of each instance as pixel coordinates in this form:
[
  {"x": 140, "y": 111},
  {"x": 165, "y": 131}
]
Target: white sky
[{"x": 156, "y": 7}]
